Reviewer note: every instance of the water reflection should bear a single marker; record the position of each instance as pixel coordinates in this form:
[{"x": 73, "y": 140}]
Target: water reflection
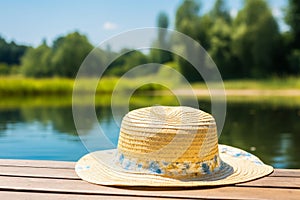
[
  {"x": 48, "y": 132},
  {"x": 273, "y": 131}
]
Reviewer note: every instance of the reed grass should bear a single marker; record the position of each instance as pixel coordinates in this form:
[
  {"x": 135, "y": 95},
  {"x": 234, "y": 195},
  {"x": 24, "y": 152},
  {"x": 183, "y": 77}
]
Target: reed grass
[
  {"x": 21, "y": 86},
  {"x": 265, "y": 84}
]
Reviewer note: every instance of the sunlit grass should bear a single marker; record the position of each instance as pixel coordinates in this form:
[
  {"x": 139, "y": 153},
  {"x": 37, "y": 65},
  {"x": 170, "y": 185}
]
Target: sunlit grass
[
  {"x": 17, "y": 85},
  {"x": 136, "y": 101},
  {"x": 262, "y": 84}
]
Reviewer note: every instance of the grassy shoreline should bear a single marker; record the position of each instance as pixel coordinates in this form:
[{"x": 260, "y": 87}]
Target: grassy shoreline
[
  {"x": 26, "y": 92},
  {"x": 12, "y": 102},
  {"x": 21, "y": 86}
]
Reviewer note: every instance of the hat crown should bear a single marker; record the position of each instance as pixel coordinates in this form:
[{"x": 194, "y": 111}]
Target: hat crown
[{"x": 169, "y": 140}]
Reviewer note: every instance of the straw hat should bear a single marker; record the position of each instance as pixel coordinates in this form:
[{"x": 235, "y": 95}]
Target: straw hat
[{"x": 173, "y": 147}]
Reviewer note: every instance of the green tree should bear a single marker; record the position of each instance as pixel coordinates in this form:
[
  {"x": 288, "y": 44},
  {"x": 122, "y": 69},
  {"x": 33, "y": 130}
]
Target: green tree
[
  {"x": 220, "y": 11},
  {"x": 220, "y": 40},
  {"x": 126, "y": 62},
  {"x": 162, "y": 21},
  {"x": 187, "y": 21},
  {"x": 292, "y": 18},
  {"x": 4, "y": 50},
  {"x": 187, "y": 18},
  {"x": 133, "y": 59},
  {"x": 16, "y": 52},
  {"x": 188, "y": 11},
  {"x": 255, "y": 39},
  {"x": 63, "y": 59},
  {"x": 162, "y": 42},
  {"x": 4, "y": 69},
  {"x": 219, "y": 35},
  {"x": 36, "y": 61},
  {"x": 11, "y": 53},
  {"x": 116, "y": 68},
  {"x": 68, "y": 54}
]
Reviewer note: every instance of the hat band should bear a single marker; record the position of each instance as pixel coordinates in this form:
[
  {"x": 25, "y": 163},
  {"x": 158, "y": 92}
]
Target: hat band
[{"x": 170, "y": 169}]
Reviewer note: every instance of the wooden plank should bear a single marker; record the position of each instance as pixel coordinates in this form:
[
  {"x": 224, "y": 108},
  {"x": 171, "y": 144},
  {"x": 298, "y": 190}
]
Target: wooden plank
[
  {"x": 286, "y": 172},
  {"x": 56, "y": 196},
  {"x": 81, "y": 187},
  {"x": 280, "y": 182},
  {"x": 38, "y": 172},
  {"x": 37, "y": 163},
  {"x": 270, "y": 181},
  {"x": 57, "y": 176}
]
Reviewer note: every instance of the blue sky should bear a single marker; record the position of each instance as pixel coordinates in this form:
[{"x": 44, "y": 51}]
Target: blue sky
[{"x": 31, "y": 21}]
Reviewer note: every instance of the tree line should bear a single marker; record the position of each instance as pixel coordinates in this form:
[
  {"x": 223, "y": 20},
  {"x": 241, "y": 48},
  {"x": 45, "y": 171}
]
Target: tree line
[
  {"x": 249, "y": 45},
  {"x": 10, "y": 56}
]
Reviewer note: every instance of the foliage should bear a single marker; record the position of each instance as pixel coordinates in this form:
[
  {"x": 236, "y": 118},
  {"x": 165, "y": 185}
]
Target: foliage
[
  {"x": 11, "y": 53},
  {"x": 187, "y": 21},
  {"x": 63, "y": 59},
  {"x": 37, "y": 62},
  {"x": 4, "y": 69},
  {"x": 292, "y": 18},
  {"x": 126, "y": 62},
  {"x": 294, "y": 61},
  {"x": 255, "y": 39},
  {"x": 220, "y": 11},
  {"x": 220, "y": 39},
  {"x": 187, "y": 12},
  {"x": 162, "y": 42},
  {"x": 68, "y": 53}
]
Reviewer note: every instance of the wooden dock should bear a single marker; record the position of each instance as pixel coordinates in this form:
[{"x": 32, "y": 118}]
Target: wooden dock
[{"x": 24, "y": 179}]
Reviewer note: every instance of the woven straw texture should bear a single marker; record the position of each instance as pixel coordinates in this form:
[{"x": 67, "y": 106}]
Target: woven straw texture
[
  {"x": 172, "y": 147},
  {"x": 171, "y": 134}
]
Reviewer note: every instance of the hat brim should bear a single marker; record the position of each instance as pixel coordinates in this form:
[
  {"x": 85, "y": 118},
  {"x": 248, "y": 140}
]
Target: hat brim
[{"x": 239, "y": 166}]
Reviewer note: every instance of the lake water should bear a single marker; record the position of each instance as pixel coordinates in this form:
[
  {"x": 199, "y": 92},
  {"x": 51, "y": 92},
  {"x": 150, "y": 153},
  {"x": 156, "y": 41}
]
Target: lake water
[{"x": 46, "y": 131}]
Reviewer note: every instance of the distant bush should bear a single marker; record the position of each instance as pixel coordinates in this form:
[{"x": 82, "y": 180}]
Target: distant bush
[
  {"x": 294, "y": 61},
  {"x": 62, "y": 59},
  {"x": 4, "y": 69}
]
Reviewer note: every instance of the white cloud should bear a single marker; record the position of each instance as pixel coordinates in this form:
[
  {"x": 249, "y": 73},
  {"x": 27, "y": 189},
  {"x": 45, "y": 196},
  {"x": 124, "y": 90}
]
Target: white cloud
[{"x": 109, "y": 26}]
